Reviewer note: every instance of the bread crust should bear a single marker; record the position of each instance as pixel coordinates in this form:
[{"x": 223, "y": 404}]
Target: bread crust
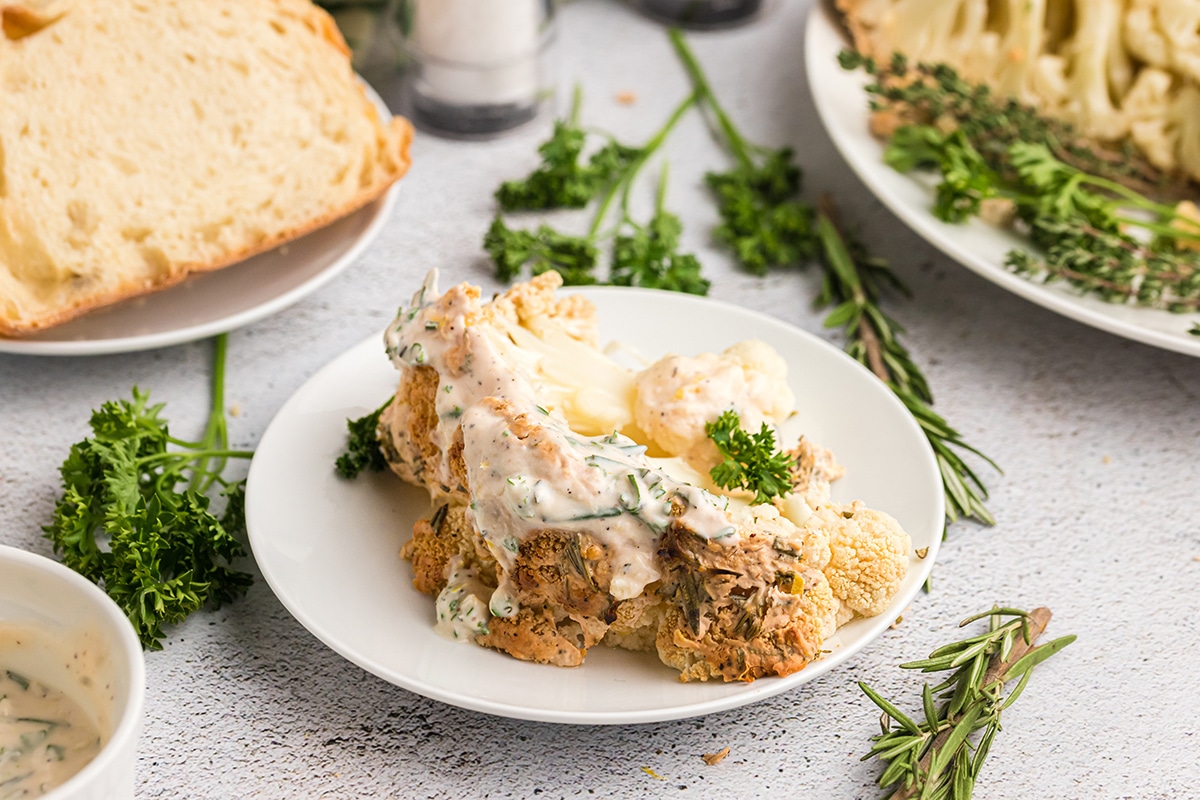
[{"x": 394, "y": 154}]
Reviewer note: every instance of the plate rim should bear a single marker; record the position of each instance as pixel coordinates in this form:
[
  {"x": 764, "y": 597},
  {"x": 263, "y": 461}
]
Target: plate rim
[
  {"x": 382, "y": 208},
  {"x": 741, "y": 694},
  {"x": 820, "y": 28}
]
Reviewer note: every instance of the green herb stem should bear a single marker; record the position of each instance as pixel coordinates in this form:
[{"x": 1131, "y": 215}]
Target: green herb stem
[
  {"x": 216, "y": 431},
  {"x": 200, "y": 457},
  {"x": 737, "y": 143},
  {"x": 852, "y": 288},
  {"x": 625, "y": 180}
]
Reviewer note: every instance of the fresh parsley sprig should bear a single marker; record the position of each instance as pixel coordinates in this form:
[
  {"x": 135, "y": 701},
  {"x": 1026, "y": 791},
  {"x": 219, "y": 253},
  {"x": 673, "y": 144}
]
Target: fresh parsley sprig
[
  {"x": 134, "y": 515},
  {"x": 749, "y": 460},
  {"x": 542, "y": 249},
  {"x": 937, "y": 759},
  {"x": 564, "y": 179},
  {"x": 763, "y": 220},
  {"x": 781, "y": 229},
  {"x": 648, "y": 255},
  {"x": 642, "y": 255},
  {"x": 363, "y": 451}
]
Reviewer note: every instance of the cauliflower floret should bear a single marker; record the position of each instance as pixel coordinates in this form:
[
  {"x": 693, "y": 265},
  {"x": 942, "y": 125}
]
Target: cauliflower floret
[
  {"x": 677, "y": 395},
  {"x": 1098, "y": 70},
  {"x": 1114, "y": 69},
  {"x": 1147, "y": 104},
  {"x": 999, "y": 43},
  {"x": 1165, "y": 34},
  {"x": 534, "y": 303},
  {"x": 1183, "y": 127},
  {"x": 869, "y": 556},
  {"x": 740, "y": 613},
  {"x": 1165, "y": 121}
]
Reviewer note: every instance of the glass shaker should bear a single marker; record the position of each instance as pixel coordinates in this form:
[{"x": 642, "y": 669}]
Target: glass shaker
[{"x": 476, "y": 67}]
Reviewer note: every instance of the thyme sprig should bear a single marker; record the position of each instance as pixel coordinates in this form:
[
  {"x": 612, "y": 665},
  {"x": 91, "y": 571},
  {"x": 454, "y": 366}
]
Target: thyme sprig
[
  {"x": 1091, "y": 214},
  {"x": 935, "y": 94},
  {"x": 937, "y": 758},
  {"x": 788, "y": 231}
]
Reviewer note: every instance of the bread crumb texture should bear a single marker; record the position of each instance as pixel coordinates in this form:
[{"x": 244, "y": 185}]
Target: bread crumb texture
[{"x": 145, "y": 140}]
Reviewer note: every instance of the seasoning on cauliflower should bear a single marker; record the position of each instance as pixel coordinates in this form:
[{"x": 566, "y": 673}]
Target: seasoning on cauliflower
[{"x": 549, "y": 539}]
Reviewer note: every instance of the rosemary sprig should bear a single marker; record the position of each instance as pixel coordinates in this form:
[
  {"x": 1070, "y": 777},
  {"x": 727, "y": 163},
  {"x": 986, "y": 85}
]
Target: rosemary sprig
[
  {"x": 853, "y": 284},
  {"x": 785, "y": 235},
  {"x": 937, "y": 758}
]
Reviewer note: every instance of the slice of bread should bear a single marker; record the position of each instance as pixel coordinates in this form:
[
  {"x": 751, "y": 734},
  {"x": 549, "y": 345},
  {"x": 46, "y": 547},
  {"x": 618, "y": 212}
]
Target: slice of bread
[{"x": 142, "y": 141}]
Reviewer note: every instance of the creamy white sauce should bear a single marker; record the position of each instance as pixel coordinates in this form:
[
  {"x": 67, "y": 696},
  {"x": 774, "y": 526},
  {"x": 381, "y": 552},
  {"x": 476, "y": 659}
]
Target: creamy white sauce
[
  {"x": 461, "y": 611},
  {"x": 602, "y": 485},
  {"x": 45, "y": 736}
]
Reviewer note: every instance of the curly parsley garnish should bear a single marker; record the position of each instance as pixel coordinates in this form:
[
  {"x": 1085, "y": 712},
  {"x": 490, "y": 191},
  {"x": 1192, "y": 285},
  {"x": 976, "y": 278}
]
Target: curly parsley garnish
[
  {"x": 362, "y": 449},
  {"x": 563, "y": 179},
  {"x": 751, "y": 460},
  {"x": 134, "y": 514}
]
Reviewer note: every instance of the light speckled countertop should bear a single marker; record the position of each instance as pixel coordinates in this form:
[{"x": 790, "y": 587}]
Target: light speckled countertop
[{"x": 1097, "y": 508}]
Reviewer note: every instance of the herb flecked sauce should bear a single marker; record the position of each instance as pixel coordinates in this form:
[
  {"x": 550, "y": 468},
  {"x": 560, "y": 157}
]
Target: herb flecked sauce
[{"x": 45, "y": 736}]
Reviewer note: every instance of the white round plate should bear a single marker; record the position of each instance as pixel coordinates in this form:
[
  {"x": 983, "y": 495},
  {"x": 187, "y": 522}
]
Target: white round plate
[
  {"x": 219, "y": 301},
  {"x": 842, "y": 105},
  {"x": 328, "y": 547}
]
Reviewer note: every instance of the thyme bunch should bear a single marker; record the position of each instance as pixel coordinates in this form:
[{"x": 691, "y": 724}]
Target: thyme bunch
[
  {"x": 937, "y": 758},
  {"x": 790, "y": 231},
  {"x": 935, "y": 94},
  {"x": 1090, "y": 213}
]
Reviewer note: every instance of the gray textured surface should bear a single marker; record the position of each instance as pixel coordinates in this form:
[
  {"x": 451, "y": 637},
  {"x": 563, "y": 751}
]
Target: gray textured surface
[{"x": 1097, "y": 509}]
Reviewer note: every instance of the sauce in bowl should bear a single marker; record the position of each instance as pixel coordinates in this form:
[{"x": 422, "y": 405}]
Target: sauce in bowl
[{"x": 45, "y": 736}]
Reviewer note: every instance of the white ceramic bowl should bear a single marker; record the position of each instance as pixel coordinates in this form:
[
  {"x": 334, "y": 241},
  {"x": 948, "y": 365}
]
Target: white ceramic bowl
[{"x": 68, "y": 616}]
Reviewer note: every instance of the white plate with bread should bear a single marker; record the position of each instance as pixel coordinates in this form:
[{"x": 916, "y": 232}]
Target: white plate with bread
[{"x": 176, "y": 169}]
